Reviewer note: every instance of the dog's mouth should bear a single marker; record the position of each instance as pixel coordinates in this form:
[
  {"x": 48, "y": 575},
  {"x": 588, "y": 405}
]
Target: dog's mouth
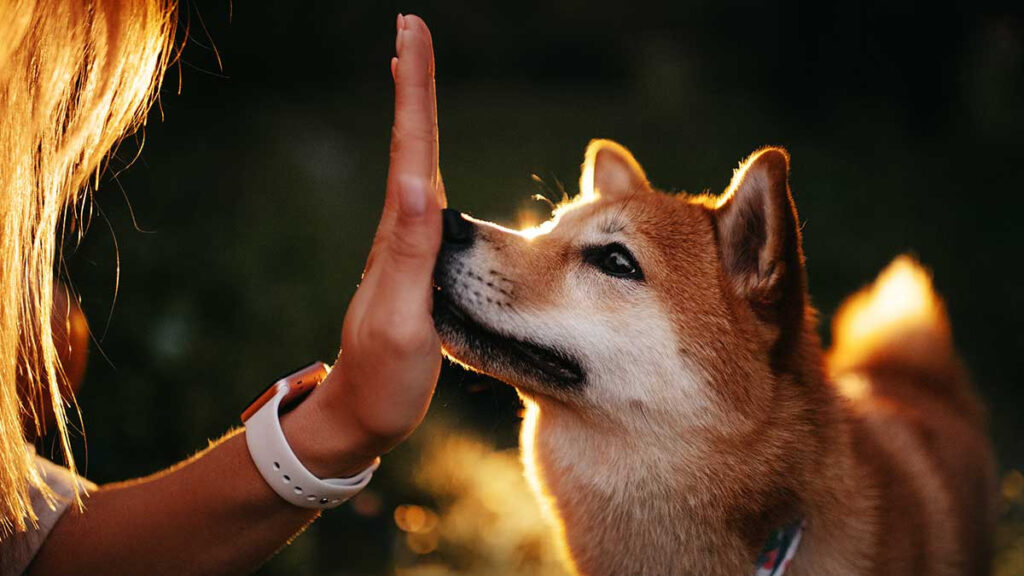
[{"x": 502, "y": 357}]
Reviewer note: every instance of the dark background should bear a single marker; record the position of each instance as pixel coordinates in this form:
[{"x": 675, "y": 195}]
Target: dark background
[{"x": 241, "y": 229}]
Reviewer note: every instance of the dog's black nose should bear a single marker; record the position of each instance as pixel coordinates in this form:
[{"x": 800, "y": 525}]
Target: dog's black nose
[{"x": 457, "y": 230}]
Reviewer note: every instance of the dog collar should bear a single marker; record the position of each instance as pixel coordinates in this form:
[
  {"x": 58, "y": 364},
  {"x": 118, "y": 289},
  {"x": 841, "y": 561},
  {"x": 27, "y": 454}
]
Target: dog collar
[{"x": 779, "y": 550}]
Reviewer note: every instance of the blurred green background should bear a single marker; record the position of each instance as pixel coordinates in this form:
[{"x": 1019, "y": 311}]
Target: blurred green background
[{"x": 241, "y": 229}]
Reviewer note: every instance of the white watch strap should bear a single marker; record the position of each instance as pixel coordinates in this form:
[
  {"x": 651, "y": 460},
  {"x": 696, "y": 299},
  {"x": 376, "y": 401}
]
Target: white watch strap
[{"x": 282, "y": 469}]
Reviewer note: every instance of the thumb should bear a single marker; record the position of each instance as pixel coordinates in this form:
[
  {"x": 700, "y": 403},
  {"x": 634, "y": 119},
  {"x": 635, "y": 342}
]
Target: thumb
[{"x": 413, "y": 242}]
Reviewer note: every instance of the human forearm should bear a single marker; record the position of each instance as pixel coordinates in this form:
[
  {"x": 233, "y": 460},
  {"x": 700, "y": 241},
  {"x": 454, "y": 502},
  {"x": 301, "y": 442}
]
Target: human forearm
[{"x": 213, "y": 514}]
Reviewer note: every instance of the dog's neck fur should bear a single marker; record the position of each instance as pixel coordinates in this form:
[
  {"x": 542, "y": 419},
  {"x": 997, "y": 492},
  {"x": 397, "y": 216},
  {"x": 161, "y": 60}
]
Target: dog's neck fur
[{"x": 657, "y": 504}]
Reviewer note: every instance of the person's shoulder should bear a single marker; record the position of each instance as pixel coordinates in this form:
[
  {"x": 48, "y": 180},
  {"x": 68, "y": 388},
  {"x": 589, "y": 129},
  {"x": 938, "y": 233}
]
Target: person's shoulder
[
  {"x": 61, "y": 481},
  {"x": 18, "y": 550}
]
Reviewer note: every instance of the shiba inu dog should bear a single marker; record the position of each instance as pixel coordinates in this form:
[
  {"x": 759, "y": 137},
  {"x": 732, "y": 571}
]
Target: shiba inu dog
[{"x": 681, "y": 414}]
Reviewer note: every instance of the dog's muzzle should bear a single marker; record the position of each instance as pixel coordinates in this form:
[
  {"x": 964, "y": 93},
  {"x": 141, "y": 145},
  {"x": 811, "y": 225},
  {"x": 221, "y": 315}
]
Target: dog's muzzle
[
  {"x": 467, "y": 338},
  {"x": 458, "y": 233}
]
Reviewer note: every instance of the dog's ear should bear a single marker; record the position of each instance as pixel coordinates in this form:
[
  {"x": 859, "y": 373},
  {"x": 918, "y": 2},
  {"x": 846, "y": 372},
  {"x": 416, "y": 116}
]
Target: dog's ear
[
  {"x": 610, "y": 171},
  {"x": 759, "y": 239}
]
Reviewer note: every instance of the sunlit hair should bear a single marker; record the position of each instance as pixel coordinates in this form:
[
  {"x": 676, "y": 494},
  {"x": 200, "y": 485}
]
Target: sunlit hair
[{"x": 75, "y": 77}]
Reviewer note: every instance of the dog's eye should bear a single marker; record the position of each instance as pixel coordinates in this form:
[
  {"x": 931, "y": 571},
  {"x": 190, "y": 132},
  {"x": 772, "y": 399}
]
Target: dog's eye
[{"x": 614, "y": 260}]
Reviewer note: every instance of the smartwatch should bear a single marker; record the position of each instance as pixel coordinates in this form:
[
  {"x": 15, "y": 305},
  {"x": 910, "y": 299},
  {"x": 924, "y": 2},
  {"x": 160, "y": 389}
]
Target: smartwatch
[{"x": 274, "y": 458}]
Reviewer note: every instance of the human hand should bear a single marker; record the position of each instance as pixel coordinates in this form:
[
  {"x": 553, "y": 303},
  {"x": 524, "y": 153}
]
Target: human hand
[{"x": 381, "y": 386}]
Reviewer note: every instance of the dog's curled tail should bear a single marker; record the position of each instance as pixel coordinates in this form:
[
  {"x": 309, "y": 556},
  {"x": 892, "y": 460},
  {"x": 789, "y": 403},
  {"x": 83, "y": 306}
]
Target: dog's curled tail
[{"x": 897, "y": 325}]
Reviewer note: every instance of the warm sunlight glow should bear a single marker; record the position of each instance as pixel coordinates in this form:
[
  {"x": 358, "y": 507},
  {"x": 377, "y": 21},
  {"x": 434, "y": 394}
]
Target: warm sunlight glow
[
  {"x": 854, "y": 386},
  {"x": 412, "y": 518},
  {"x": 530, "y": 232},
  {"x": 902, "y": 295},
  {"x": 527, "y": 445},
  {"x": 587, "y": 176},
  {"x": 531, "y": 469},
  {"x": 1009, "y": 559},
  {"x": 527, "y": 219},
  {"x": 486, "y": 520},
  {"x": 1012, "y": 486},
  {"x": 737, "y": 176},
  {"x": 900, "y": 302}
]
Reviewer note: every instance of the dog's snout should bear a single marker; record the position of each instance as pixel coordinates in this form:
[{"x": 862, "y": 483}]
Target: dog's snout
[{"x": 458, "y": 232}]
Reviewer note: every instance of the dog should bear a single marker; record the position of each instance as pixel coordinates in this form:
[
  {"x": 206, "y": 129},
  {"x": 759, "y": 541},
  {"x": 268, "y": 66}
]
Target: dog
[{"x": 681, "y": 415}]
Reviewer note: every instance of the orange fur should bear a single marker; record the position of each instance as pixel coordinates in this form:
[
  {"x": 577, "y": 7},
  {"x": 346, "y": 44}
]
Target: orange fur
[{"x": 707, "y": 416}]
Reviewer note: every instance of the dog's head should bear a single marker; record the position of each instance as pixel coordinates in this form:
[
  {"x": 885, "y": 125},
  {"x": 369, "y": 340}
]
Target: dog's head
[{"x": 630, "y": 301}]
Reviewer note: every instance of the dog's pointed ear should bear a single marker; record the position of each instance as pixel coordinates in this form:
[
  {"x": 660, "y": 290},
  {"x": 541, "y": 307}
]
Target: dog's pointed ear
[
  {"x": 610, "y": 171},
  {"x": 759, "y": 239}
]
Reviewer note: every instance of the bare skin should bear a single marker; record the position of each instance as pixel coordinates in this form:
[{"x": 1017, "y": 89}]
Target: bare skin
[{"x": 213, "y": 513}]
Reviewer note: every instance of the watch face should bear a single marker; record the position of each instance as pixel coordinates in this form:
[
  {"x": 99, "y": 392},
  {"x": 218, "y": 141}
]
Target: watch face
[{"x": 299, "y": 383}]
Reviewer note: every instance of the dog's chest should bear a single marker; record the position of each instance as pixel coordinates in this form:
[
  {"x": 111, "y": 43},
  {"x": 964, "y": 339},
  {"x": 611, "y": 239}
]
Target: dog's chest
[{"x": 624, "y": 508}]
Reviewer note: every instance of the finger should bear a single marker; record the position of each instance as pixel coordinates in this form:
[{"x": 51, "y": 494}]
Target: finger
[
  {"x": 442, "y": 197},
  {"x": 402, "y": 282},
  {"x": 414, "y": 134},
  {"x": 414, "y": 149}
]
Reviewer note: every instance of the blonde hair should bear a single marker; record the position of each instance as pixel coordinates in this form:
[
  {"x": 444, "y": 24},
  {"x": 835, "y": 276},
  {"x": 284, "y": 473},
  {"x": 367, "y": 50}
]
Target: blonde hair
[{"x": 75, "y": 77}]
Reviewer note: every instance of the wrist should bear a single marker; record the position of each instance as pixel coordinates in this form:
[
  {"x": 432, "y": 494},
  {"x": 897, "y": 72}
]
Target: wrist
[{"x": 329, "y": 445}]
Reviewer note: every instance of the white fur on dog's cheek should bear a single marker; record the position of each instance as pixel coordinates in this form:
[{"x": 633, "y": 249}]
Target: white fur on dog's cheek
[
  {"x": 630, "y": 352},
  {"x": 631, "y": 357}
]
